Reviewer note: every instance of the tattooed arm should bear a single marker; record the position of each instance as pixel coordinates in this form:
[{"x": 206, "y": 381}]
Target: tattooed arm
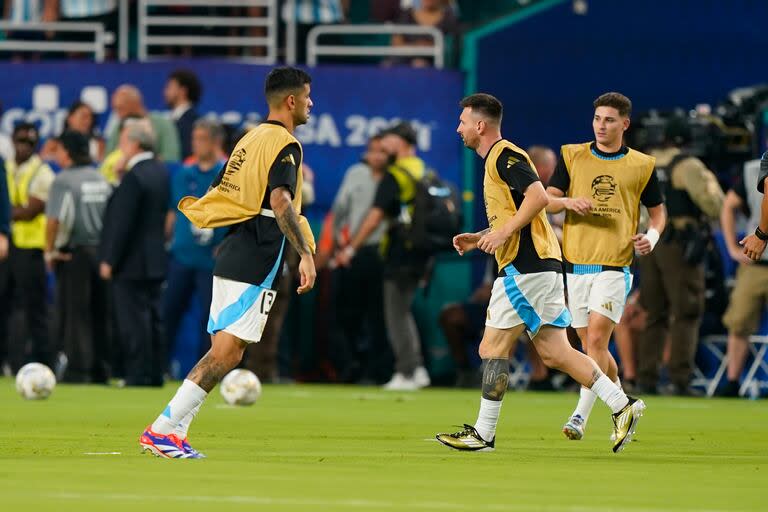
[{"x": 288, "y": 221}]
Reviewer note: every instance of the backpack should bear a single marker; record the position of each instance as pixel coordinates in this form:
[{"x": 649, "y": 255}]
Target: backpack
[{"x": 436, "y": 215}]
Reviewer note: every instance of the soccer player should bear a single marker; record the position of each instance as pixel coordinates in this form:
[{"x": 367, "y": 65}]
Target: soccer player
[
  {"x": 754, "y": 244},
  {"x": 601, "y": 184},
  {"x": 528, "y": 294},
  {"x": 257, "y": 194}
]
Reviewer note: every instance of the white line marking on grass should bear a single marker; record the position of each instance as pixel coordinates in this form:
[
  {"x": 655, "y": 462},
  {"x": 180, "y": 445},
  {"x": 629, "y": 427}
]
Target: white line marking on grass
[
  {"x": 102, "y": 453},
  {"x": 308, "y": 502}
]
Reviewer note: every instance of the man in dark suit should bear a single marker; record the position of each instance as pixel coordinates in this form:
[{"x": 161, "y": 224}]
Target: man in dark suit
[
  {"x": 182, "y": 93},
  {"x": 133, "y": 254}
]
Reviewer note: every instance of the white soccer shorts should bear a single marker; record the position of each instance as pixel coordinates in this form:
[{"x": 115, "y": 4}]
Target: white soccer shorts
[
  {"x": 534, "y": 299},
  {"x": 241, "y": 309},
  {"x": 590, "y": 288}
]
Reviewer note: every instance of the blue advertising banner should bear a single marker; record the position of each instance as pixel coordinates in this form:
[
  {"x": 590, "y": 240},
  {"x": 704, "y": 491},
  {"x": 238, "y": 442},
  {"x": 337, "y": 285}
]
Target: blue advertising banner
[{"x": 351, "y": 104}]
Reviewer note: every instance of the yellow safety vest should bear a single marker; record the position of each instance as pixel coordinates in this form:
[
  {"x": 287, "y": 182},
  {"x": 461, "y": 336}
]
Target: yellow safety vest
[{"x": 26, "y": 234}]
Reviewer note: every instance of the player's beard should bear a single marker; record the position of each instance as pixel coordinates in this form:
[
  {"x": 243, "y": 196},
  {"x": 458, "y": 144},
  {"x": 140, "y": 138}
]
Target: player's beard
[{"x": 302, "y": 119}]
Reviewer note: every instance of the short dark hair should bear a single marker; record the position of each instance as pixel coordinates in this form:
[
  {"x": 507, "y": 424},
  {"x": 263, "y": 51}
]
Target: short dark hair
[
  {"x": 615, "y": 100},
  {"x": 77, "y": 146},
  {"x": 404, "y": 130},
  {"x": 24, "y": 126},
  {"x": 485, "y": 104},
  {"x": 73, "y": 108},
  {"x": 189, "y": 81},
  {"x": 284, "y": 80}
]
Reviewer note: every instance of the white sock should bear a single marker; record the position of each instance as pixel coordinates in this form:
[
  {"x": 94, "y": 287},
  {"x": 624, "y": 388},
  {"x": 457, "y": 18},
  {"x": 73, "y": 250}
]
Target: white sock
[
  {"x": 609, "y": 393},
  {"x": 586, "y": 402},
  {"x": 487, "y": 418},
  {"x": 618, "y": 382},
  {"x": 188, "y": 397},
  {"x": 183, "y": 427}
]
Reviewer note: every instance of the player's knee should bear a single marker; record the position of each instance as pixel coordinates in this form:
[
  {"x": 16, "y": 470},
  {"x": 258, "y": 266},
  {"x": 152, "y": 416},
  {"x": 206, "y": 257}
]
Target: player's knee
[
  {"x": 228, "y": 354},
  {"x": 552, "y": 359},
  {"x": 491, "y": 351},
  {"x": 596, "y": 344}
]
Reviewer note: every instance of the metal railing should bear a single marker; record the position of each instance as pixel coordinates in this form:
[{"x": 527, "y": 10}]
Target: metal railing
[
  {"x": 146, "y": 20},
  {"x": 315, "y": 49},
  {"x": 101, "y": 38}
]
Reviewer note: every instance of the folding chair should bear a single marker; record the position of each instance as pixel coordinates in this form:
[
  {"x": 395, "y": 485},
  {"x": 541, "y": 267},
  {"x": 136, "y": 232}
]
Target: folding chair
[{"x": 751, "y": 382}]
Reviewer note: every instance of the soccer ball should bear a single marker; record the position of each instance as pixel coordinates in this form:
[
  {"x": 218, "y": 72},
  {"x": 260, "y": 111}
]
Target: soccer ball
[
  {"x": 35, "y": 381},
  {"x": 240, "y": 387}
]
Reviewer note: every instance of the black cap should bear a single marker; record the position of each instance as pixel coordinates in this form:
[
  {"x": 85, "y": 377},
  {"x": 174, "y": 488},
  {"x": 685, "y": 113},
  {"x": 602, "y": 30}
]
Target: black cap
[
  {"x": 404, "y": 130},
  {"x": 76, "y": 144}
]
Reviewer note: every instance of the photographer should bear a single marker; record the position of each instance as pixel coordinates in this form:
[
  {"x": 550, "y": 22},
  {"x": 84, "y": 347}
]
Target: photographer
[{"x": 672, "y": 276}]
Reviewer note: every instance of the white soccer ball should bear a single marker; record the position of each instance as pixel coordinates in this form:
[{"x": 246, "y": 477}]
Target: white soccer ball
[
  {"x": 35, "y": 381},
  {"x": 240, "y": 387}
]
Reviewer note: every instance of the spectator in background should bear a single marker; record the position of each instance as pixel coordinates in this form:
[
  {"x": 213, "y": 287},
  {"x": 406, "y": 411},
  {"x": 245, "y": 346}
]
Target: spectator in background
[
  {"x": 192, "y": 249},
  {"x": 86, "y": 11},
  {"x": 22, "y": 277},
  {"x": 75, "y": 213},
  {"x": 750, "y": 292},
  {"x": 89, "y": 11},
  {"x": 182, "y": 94},
  {"x": 127, "y": 101},
  {"x": 311, "y": 13},
  {"x": 672, "y": 283},
  {"x": 5, "y": 231},
  {"x": 133, "y": 254},
  {"x": 388, "y": 11},
  {"x": 430, "y": 13},
  {"x": 403, "y": 267},
  {"x": 358, "y": 287},
  {"x": 30, "y": 11},
  {"x": 545, "y": 161},
  {"x": 82, "y": 119}
]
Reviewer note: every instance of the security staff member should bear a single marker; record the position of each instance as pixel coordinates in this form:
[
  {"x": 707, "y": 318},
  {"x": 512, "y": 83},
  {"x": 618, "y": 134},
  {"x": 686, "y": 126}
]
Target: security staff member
[
  {"x": 22, "y": 277},
  {"x": 672, "y": 276}
]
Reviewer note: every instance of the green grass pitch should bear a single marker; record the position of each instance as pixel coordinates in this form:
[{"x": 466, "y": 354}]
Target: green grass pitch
[{"x": 324, "y": 448}]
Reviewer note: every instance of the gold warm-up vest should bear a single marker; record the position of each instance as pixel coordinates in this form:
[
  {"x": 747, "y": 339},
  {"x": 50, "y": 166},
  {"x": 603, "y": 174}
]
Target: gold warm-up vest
[
  {"x": 604, "y": 235},
  {"x": 239, "y": 195},
  {"x": 500, "y": 208}
]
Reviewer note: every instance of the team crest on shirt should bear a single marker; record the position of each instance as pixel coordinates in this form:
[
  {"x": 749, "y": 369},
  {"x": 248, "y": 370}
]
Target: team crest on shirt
[{"x": 603, "y": 188}]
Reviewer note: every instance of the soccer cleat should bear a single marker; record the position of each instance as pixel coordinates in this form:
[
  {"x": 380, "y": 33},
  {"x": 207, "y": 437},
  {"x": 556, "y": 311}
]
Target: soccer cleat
[
  {"x": 625, "y": 423},
  {"x": 167, "y": 446},
  {"x": 193, "y": 454},
  {"x": 574, "y": 428},
  {"x": 467, "y": 440}
]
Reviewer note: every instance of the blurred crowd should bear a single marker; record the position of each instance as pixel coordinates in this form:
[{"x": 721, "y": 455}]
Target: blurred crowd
[{"x": 442, "y": 14}]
